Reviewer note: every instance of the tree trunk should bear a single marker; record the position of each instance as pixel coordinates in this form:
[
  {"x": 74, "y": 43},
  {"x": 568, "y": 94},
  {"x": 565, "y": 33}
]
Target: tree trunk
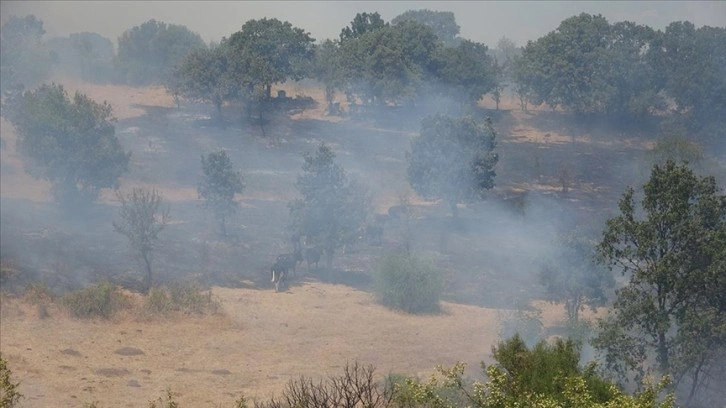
[
  {"x": 218, "y": 109},
  {"x": 147, "y": 280},
  {"x": 663, "y": 352},
  {"x": 222, "y": 226},
  {"x": 454, "y": 209}
]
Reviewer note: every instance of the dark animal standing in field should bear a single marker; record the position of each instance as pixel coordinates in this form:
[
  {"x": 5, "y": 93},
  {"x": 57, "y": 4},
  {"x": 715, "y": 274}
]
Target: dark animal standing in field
[
  {"x": 284, "y": 264},
  {"x": 291, "y": 260},
  {"x": 312, "y": 256},
  {"x": 279, "y": 272}
]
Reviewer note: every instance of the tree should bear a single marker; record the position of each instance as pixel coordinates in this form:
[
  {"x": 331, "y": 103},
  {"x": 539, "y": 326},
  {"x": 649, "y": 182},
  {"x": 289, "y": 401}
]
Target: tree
[
  {"x": 362, "y": 23},
  {"x": 547, "y": 375},
  {"x": 24, "y": 59},
  {"x": 505, "y": 54},
  {"x": 268, "y": 51},
  {"x": 147, "y": 53},
  {"x": 391, "y": 64},
  {"x": 466, "y": 71},
  {"x": 87, "y": 56},
  {"x": 204, "y": 75},
  {"x": 589, "y": 66},
  {"x": 672, "y": 251},
  {"x": 692, "y": 66},
  {"x": 69, "y": 142},
  {"x": 453, "y": 159},
  {"x": 443, "y": 24},
  {"x": 328, "y": 69},
  {"x": 573, "y": 277},
  {"x": 332, "y": 209},
  {"x": 219, "y": 185},
  {"x": 141, "y": 220}
]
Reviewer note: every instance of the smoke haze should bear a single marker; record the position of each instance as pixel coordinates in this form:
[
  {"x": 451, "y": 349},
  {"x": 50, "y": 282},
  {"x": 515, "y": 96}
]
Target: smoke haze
[{"x": 480, "y": 21}]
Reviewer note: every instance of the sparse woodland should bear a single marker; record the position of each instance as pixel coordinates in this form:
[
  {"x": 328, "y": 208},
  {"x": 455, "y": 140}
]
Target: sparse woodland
[{"x": 422, "y": 172}]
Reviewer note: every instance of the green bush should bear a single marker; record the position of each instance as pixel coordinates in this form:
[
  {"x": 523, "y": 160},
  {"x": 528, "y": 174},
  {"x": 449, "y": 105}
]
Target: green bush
[
  {"x": 100, "y": 300},
  {"x": 184, "y": 298},
  {"x": 9, "y": 395},
  {"x": 407, "y": 283}
]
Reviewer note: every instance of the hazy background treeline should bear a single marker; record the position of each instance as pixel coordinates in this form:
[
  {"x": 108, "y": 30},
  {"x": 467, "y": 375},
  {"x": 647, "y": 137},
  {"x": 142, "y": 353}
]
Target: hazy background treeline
[{"x": 621, "y": 71}]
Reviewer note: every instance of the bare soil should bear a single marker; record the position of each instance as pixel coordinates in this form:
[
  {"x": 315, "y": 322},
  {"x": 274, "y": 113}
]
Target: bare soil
[{"x": 261, "y": 339}]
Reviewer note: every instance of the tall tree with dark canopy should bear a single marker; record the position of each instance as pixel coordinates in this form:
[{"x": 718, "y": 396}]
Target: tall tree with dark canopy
[
  {"x": 362, "y": 23},
  {"x": 204, "y": 75},
  {"x": 70, "y": 142},
  {"x": 589, "y": 66},
  {"x": 453, "y": 159},
  {"x": 219, "y": 186},
  {"x": 147, "y": 53},
  {"x": 267, "y": 52},
  {"x": 466, "y": 71},
  {"x": 672, "y": 249},
  {"x": 333, "y": 209},
  {"x": 442, "y": 23}
]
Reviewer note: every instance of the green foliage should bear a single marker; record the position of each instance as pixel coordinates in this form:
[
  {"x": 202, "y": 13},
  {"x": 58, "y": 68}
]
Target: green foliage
[
  {"x": 204, "y": 75},
  {"x": 546, "y": 376},
  {"x": 182, "y": 298},
  {"x": 24, "y": 59},
  {"x": 443, "y": 23},
  {"x": 692, "y": 65},
  {"x": 333, "y": 209},
  {"x": 671, "y": 248},
  {"x": 453, "y": 159},
  {"x": 362, "y": 23},
  {"x": 219, "y": 185},
  {"x": 407, "y": 283},
  {"x": 100, "y": 300},
  {"x": 141, "y": 220},
  {"x": 589, "y": 66},
  {"x": 388, "y": 65},
  {"x": 9, "y": 394},
  {"x": 466, "y": 72},
  {"x": 147, "y": 53},
  {"x": 574, "y": 278},
  {"x": 69, "y": 142},
  {"x": 266, "y": 52}
]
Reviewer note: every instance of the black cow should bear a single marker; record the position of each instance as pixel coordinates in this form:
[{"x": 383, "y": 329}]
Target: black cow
[{"x": 312, "y": 256}]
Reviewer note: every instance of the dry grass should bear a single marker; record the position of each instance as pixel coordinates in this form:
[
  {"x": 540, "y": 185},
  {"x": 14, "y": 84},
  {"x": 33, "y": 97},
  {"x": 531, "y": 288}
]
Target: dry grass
[{"x": 261, "y": 341}]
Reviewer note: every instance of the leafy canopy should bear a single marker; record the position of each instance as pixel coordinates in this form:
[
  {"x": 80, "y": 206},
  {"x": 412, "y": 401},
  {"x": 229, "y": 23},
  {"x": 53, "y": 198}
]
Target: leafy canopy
[
  {"x": 219, "y": 185},
  {"x": 672, "y": 249},
  {"x": 453, "y": 159},
  {"x": 332, "y": 209},
  {"x": 148, "y": 52},
  {"x": 69, "y": 142}
]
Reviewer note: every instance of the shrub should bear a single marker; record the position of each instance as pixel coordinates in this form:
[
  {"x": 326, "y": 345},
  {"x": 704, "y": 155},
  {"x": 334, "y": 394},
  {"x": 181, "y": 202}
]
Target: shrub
[
  {"x": 9, "y": 395},
  {"x": 184, "y": 298},
  {"x": 405, "y": 282},
  {"x": 100, "y": 300},
  {"x": 356, "y": 387}
]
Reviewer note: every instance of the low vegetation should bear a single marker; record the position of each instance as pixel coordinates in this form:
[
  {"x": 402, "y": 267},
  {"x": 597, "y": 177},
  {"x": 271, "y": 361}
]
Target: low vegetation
[
  {"x": 101, "y": 300},
  {"x": 188, "y": 299},
  {"x": 9, "y": 394},
  {"x": 407, "y": 283}
]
